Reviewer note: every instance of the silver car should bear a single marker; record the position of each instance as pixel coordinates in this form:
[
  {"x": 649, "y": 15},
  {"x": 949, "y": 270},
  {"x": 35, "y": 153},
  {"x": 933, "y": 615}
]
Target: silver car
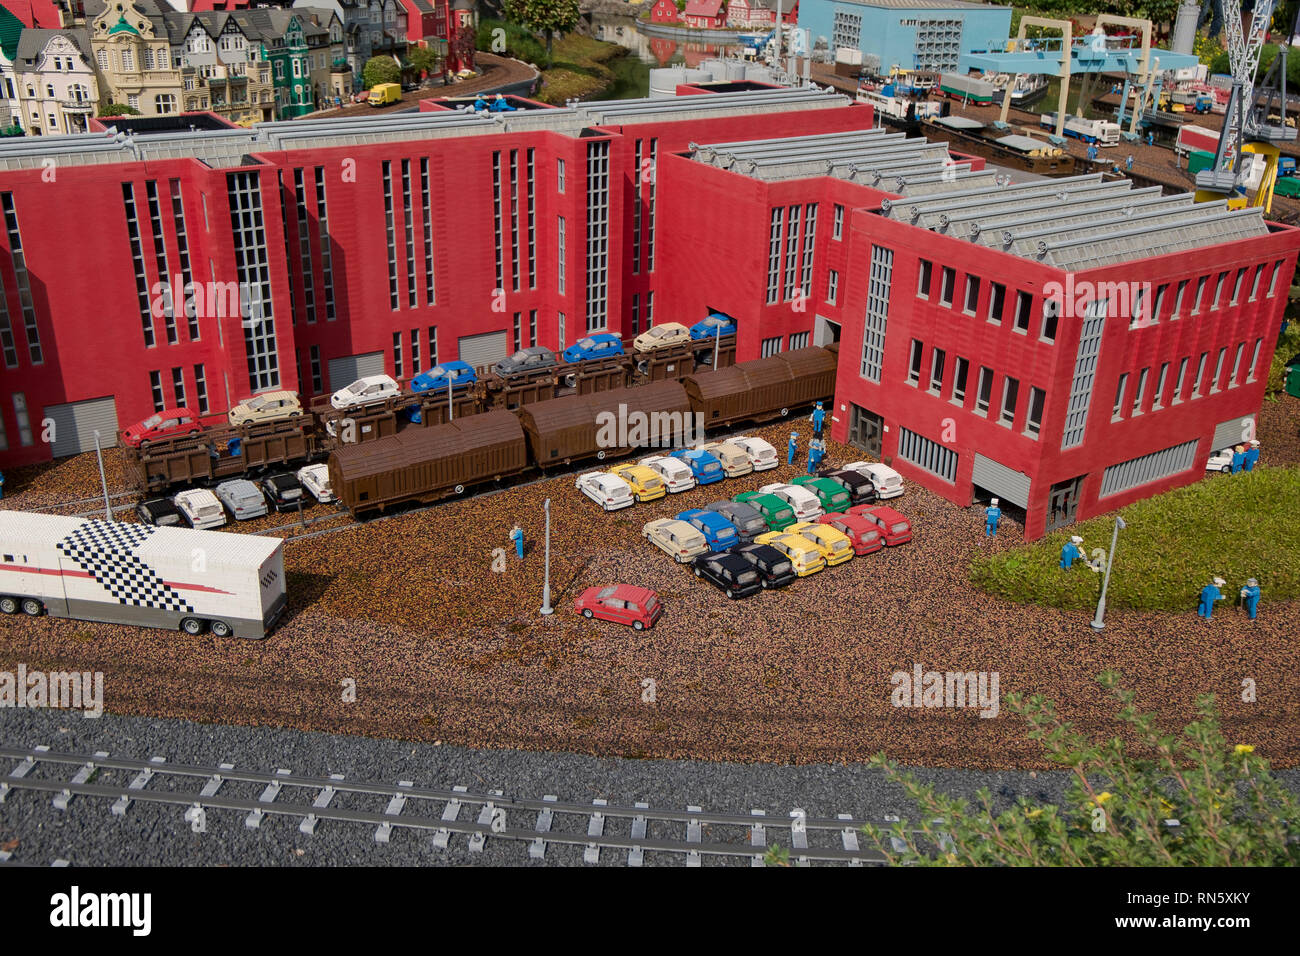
[
  {"x": 241, "y": 498},
  {"x": 532, "y": 359}
]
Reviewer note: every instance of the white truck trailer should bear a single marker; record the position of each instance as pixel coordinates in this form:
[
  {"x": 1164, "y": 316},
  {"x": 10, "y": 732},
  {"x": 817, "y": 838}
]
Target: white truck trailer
[{"x": 123, "y": 573}]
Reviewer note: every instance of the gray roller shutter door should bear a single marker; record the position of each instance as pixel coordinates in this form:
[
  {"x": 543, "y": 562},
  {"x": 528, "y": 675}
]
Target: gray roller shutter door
[
  {"x": 1233, "y": 432},
  {"x": 344, "y": 371},
  {"x": 486, "y": 349},
  {"x": 1006, "y": 483},
  {"x": 75, "y": 424}
]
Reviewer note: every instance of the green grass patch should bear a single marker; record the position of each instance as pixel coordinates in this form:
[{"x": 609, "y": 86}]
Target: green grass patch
[
  {"x": 1235, "y": 526},
  {"x": 579, "y": 69}
]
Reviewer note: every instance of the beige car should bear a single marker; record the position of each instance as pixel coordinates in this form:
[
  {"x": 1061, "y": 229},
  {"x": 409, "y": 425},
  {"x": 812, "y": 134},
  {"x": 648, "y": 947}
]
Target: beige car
[
  {"x": 661, "y": 337},
  {"x": 735, "y": 460},
  {"x": 264, "y": 407},
  {"x": 676, "y": 538}
]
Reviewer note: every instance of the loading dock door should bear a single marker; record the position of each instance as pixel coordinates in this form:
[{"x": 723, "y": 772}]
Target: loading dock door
[
  {"x": 346, "y": 370},
  {"x": 76, "y": 422},
  {"x": 486, "y": 349},
  {"x": 1233, "y": 432},
  {"x": 1003, "y": 482}
]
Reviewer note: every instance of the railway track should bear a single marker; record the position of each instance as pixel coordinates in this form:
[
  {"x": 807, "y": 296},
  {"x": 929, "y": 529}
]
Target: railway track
[{"x": 209, "y": 797}]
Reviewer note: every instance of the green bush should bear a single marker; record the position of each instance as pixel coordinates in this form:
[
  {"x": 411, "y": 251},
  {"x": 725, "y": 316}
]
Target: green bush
[
  {"x": 1235, "y": 526},
  {"x": 380, "y": 69},
  {"x": 519, "y": 42}
]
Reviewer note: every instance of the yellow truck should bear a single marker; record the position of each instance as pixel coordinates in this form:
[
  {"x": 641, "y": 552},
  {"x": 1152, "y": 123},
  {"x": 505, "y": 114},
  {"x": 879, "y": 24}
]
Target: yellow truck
[{"x": 384, "y": 93}]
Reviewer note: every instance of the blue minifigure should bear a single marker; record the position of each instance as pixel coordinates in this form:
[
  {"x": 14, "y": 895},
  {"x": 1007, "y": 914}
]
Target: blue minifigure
[
  {"x": 817, "y": 417},
  {"x": 1252, "y": 455},
  {"x": 1092, "y": 152},
  {"x": 480, "y": 104},
  {"x": 1238, "y": 458},
  {"x": 1071, "y": 552},
  {"x": 1151, "y": 138},
  {"x": 792, "y": 448},
  {"x": 992, "y": 514},
  {"x": 1209, "y": 594},
  {"x": 816, "y": 451},
  {"x": 1128, "y": 163},
  {"x": 2, "y": 484},
  {"x": 1250, "y": 597},
  {"x": 499, "y": 105},
  {"x": 517, "y": 536}
]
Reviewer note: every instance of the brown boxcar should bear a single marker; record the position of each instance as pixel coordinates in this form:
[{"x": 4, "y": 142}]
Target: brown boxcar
[
  {"x": 812, "y": 374},
  {"x": 425, "y": 464},
  {"x": 762, "y": 389},
  {"x": 207, "y": 456},
  {"x": 604, "y": 424}
]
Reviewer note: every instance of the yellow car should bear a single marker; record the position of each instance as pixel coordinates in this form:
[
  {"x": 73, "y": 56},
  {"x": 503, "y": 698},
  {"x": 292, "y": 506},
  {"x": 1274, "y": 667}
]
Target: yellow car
[
  {"x": 805, "y": 556},
  {"x": 646, "y": 483},
  {"x": 835, "y": 546}
]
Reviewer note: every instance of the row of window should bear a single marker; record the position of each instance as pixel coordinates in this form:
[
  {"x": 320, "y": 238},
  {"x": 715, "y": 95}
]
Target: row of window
[
  {"x": 954, "y": 389},
  {"x": 787, "y": 224},
  {"x": 1137, "y": 401},
  {"x": 178, "y": 389},
  {"x": 644, "y": 195},
  {"x": 597, "y": 235},
  {"x": 1020, "y": 311},
  {"x": 636, "y": 312},
  {"x": 25, "y": 436},
  {"x": 797, "y": 340},
  {"x": 18, "y": 261},
  {"x": 1143, "y": 303}
]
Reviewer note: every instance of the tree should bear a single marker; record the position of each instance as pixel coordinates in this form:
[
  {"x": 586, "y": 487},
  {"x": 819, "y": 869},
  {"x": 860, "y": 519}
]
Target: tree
[
  {"x": 118, "y": 109},
  {"x": 423, "y": 60},
  {"x": 380, "y": 69},
  {"x": 544, "y": 16}
]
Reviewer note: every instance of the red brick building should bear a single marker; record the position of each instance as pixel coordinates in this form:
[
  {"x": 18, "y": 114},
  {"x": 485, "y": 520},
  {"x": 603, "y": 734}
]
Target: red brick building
[
  {"x": 665, "y": 11},
  {"x": 705, "y": 14}
]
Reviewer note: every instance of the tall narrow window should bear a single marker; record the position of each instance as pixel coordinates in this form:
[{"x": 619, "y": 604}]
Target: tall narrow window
[
  {"x": 1034, "y": 417},
  {"x": 914, "y": 364},
  {"x": 923, "y": 277},
  {"x": 1177, "y": 397},
  {"x": 1254, "y": 361},
  {"x": 1200, "y": 375},
  {"x": 960, "y": 370},
  {"x": 514, "y": 220},
  {"x": 1200, "y": 294},
  {"x": 183, "y": 253},
  {"x": 774, "y": 255},
  {"x": 24, "y": 422},
  {"x": 496, "y": 220},
  {"x": 178, "y": 386},
  {"x": 1010, "y": 394},
  {"x": 1024, "y": 303},
  {"x": 137, "y": 261},
  {"x": 972, "y": 295},
  {"x": 791, "y": 251},
  {"x": 947, "y": 282},
  {"x": 559, "y": 176},
  {"x": 1139, "y": 393},
  {"x": 161, "y": 266},
  {"x": 156, "y": 391},
  {"x": 1051, "y": 313},
  {"x": 984, "y": 392},
  {"x": 561, "y": 250},
  {"x": 937, "y": 358},
  {"x": 408, "y": 233},
  {"x": 1158, "y": 398},
  {"x": 201, "y": 389},
  {"x": 398, "y": 371},
  {"x": 530, "y": 194},
  {"x": 1236, "y": 365},
  {"x": 832, "y": 285},
  {"x": 1118, "y": 412},
  {"x": 839, "y": 222},
  {"x": 390, "y": 232},
  {"x": 997, "y": 302},
  {"x": 532, "y": 326},
  {"x": 426, "y": 212},
  {"x": 1218, "y": 370}
]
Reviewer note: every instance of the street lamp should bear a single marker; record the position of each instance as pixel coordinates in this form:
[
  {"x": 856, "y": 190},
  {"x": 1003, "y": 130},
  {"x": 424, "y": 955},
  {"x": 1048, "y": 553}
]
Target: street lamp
[
  {"x": 1097, "y": 623},
  {"x": 546, "y": 585},
  {"x": 103, "y": 482}
]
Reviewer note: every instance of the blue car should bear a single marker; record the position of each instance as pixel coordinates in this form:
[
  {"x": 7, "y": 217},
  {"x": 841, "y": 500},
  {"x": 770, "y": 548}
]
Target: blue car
[
  {"x": 457, "y": 374},
  {"x": 704, "y": 466},
  {"x": 717, "y": 530},
  {"x": 599, "y": 346},
  {"x": 716, "y": 324}
]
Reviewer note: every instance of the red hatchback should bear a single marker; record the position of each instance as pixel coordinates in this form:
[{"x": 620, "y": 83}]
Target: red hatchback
[
  {"x": 168, "y": 423},
  {"x": 622, "y": 604},
  {"x": 893, "y": 527},
  {"x": 864, "y": 534}
]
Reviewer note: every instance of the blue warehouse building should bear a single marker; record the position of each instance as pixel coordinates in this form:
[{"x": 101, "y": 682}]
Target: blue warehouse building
[{"x": 911, "y": 34}]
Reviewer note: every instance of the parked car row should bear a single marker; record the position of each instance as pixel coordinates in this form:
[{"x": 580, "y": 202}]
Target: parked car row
[{"x": 241, "y": 498}]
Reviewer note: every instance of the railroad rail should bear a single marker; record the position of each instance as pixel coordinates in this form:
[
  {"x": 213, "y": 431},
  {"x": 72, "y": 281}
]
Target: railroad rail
[{"x": 205, "y": 794}]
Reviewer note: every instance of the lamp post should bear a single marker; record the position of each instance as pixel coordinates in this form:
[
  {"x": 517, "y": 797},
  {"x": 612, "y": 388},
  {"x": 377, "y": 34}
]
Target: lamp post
[
  {"x": 1097, "y": 623},
  {"x": 546, "y": 580},
  {"x": 450, "y": 413},
  {"x": 103, "y": 482},
  {"x": 717, "y": 340}
]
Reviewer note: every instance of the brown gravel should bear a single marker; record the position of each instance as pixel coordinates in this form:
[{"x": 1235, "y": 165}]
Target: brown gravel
[{"x": 441, "y": 647}]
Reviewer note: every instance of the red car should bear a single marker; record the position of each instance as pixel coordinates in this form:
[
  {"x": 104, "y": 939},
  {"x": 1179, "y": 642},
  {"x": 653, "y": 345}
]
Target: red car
[
  {"x": 168, "y": 423},
  {"x": 894, "y": 528},
  {"x": 864, "y": 534},
  {"x": 622, "y": 604}
]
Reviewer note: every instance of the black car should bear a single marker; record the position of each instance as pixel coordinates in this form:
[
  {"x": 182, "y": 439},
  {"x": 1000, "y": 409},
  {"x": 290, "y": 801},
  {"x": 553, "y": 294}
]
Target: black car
[
  {"x": 283, "y": 492},
  {"x": 161, "y": 513},
  {"x": 746, "y": 519},
  {"x": 732, "y": 573},
  {"x": 861, "y": 489},
  {"x": 773, "y": 567}
]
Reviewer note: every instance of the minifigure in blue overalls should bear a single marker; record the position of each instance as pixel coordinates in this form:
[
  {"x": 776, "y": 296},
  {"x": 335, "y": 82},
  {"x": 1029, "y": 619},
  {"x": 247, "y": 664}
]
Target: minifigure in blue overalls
[
  {"x": 1151, "y": 138},
  {"x": 1238, "y": 458},
  {"x": 1092, "y": 152},
  {"x": 816, "y": 452},
  {"x": 517, "y": 536},
  {"x": 1209, "y": 594},
  {"x": 792, "y": 448},
  {"x": 1072, "y": 552},
  {"x": 1250, "y": 597},
  {"x": 1252, "y": 455},
  {"x": 1128, "y": 163},
  {"x": 817, "y": 417},
  {"x": 992, "y": 514}
]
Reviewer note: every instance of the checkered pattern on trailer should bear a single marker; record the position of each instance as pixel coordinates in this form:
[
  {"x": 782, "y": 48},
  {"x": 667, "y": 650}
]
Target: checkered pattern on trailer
[{"x": 106, "y": 552}]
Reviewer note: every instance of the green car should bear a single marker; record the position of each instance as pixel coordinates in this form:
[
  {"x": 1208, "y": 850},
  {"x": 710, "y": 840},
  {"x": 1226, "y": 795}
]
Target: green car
[
  {"x": 830, "y": 493},
  {"x": 775, "y": 512}
]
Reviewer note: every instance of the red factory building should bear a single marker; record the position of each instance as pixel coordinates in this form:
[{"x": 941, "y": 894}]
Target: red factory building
[{"x": 386, "y": 244}]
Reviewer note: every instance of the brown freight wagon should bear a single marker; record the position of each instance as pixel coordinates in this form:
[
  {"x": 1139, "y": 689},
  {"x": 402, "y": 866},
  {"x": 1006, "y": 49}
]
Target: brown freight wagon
[
  {"x": 426, "y": 464},
  {"x": 605, "y": 424},
  {"x": 207, "y": 455},
  {"x": 762, "y": 389}
]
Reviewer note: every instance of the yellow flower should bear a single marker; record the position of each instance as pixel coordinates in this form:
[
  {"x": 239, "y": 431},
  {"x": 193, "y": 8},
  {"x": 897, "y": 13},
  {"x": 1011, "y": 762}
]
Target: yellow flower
[
  {"x": 1102, "y": 797},
  {"x": 1243, "y": 749},
  {"x": 1031, "y": 814}
]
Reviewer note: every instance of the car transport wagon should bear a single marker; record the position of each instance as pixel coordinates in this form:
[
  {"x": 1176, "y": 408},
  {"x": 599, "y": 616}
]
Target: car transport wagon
[{"x": 123, "y": 573}]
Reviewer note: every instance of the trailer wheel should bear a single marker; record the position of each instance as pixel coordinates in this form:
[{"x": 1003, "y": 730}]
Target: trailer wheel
[
  {"x": 460, "y": 489},
  {"x": 32, "y": 607},
  {"x": 193, "y": 625},
  {"x": 8, "y": 605},
  {"x": 600, "y": 455},
  {"x": 785, "y": 412},
  {"x": 221, "y": 629}
]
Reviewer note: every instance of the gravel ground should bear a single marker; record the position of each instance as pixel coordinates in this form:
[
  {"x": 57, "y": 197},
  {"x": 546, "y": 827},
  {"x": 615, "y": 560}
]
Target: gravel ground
[
  {"x": 441, "y": 648},
  {"x": 88, "y": 835}
]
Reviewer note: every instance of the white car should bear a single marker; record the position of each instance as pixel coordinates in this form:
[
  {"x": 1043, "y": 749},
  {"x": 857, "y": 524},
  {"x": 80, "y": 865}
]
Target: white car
[
  {"x": 316, "y": 479},
  {"x": 676, "y": 474},
  {"x": 1220, "y": 461},
  {"x": 735, "y": 460},
  {"x": 609, "y": 491},
  {"x": 200, "y": 508},
  {"x": 675, "y": 538},
  {"x": 364, "y": 391},
  {"x": 761, "y": 454},
  {"x": 889, "y": 483},
  {"x": 243, "y": 498},
  {"x": 807, "y": 506},
  {"x": 661, "y": 337}
]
